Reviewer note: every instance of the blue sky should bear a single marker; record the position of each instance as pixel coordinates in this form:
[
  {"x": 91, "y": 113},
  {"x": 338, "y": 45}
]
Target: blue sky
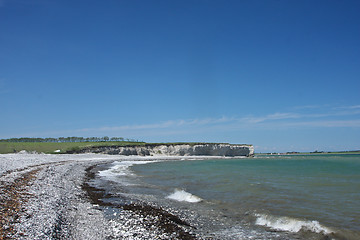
[{"x": 282, "y": 75}]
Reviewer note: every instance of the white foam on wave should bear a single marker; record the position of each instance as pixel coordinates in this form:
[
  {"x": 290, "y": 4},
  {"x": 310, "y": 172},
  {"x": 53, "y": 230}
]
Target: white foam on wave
[
  {"x": 120, "y": 169},
  {"x": 290, "y": 224},
  {"x": 183, "y": 196}
]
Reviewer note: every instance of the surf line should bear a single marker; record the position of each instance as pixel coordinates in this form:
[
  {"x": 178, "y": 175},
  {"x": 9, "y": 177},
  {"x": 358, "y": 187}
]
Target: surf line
[{"x": 168, "y": 222}]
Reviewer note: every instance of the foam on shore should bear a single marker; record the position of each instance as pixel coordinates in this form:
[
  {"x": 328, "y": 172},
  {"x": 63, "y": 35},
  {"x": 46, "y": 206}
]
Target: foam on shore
[{"x": 120, "y": 170}]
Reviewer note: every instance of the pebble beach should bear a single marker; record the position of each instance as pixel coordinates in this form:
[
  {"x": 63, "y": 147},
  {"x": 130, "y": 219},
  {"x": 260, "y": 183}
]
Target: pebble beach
[
  {"x": 47, "y": 197},
  {"x": 97, "y": 196}
]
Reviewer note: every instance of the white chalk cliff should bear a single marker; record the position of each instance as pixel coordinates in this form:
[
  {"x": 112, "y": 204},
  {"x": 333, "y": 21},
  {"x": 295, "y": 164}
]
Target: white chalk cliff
[{"x": 210, "y": 149}]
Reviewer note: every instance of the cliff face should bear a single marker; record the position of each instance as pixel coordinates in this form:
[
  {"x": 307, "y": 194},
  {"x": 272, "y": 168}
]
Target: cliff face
[{"x": 230, "y": 150}]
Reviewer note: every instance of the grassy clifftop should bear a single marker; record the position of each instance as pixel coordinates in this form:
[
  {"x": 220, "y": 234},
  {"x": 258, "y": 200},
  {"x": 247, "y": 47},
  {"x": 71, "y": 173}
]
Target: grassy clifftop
[
  {"x": 51, "y": 147},
  {"x": 64, "y": 147}
]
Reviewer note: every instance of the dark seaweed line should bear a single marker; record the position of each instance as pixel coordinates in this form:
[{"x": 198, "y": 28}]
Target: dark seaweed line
[
  {"x": 12, "y": 198},
  {"x": 168, "y": 222}
]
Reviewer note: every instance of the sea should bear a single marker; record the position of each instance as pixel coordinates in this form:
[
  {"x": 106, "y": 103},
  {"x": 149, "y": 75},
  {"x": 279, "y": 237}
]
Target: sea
[{"x": 310, "y": 196}]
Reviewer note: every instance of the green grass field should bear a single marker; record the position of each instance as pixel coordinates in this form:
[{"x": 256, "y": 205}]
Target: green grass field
[{"x": 51, "y": 147}]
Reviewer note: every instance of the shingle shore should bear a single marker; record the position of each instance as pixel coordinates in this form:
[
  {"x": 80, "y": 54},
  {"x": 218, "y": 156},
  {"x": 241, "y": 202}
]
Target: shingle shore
[{"x": 46, "y": 197}]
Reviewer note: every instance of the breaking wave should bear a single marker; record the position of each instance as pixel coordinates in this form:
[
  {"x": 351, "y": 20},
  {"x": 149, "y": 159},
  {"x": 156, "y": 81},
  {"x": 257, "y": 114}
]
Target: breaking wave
[
  {"x": 183, "y": 196},
  {"x": 119, "y": 170},
  {"x": 290, "y": 224}
]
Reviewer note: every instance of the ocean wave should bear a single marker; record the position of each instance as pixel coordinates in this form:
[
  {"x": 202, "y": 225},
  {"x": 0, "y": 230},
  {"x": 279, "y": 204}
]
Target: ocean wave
[
  {"x": 183, "y": 196},
  {"x": 290, "y": 224},
  {"x": 120, "y": 169}
]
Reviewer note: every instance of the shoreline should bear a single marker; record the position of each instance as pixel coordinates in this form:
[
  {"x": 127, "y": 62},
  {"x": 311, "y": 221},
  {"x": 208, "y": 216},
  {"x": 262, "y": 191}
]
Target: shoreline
[
  {"x": 54, "y": 201},
  {"x": 59, "y": 199},
  {"x": 168, "y": 224}
]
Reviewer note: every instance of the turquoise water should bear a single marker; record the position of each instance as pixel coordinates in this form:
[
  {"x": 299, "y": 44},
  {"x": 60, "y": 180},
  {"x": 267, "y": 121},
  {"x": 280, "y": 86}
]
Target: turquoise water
[{"x": 316, "y": 193}]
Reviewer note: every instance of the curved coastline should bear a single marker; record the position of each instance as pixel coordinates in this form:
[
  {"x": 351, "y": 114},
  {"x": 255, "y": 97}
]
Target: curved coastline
[
  {"x": 162, "y": 222},
  {"x": 55, "y": 201}
]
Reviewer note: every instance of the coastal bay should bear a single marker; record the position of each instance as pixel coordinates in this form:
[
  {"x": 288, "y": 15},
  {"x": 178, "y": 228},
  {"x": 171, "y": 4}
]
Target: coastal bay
[
  {"x": 83, "y": 196},
  {"x": 49, "y": 197}
]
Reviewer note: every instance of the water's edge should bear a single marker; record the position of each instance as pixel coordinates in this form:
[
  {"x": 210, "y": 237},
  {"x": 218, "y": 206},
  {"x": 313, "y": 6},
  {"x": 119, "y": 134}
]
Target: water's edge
[
  {"x": 176, "y": 221},
  {"x": 170, "y": 222},
  {"x": 158, "y": 217}
]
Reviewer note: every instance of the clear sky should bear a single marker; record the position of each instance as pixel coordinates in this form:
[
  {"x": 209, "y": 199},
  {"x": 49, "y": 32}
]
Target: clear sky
[{"x": 282, "y": 75}]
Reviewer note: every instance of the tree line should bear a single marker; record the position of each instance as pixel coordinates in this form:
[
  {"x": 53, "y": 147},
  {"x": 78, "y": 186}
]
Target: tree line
[{"x": 70, "y": 139}]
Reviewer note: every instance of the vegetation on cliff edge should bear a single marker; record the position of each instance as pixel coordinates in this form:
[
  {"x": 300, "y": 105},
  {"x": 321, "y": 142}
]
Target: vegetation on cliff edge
[{"x": 73, "y": 144}]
